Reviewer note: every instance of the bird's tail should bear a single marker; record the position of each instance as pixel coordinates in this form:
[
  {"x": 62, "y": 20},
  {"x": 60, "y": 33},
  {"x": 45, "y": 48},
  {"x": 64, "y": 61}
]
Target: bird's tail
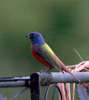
[{"x": 65, "y": 68}]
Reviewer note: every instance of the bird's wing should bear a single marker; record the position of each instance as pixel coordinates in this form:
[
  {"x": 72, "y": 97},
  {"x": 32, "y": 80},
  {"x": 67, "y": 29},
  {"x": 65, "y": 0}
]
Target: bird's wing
[{"x": 47, "y": 54}]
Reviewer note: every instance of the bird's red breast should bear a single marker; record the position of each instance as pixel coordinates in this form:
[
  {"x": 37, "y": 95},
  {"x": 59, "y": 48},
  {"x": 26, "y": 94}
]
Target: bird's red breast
[{"x": 39, "y": 58}]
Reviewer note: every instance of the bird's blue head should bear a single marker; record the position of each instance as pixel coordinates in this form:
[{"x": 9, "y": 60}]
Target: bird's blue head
[{"x": 36, "y": 38}]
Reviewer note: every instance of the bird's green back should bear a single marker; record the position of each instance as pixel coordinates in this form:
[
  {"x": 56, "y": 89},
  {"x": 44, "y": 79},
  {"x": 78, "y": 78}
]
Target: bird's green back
[{"x": 50, "y": 56}]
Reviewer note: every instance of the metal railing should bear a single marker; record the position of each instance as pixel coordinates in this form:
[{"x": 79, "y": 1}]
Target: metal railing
[{"x": 36, "y": 80}]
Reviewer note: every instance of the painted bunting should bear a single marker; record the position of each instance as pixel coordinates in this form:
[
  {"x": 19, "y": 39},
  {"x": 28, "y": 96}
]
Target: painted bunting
[{"x": 44, "y": 54}]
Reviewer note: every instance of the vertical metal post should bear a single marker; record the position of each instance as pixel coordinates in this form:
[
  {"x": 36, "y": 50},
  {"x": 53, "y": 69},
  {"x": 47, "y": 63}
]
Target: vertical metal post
[{"x": 35, "y": 87}]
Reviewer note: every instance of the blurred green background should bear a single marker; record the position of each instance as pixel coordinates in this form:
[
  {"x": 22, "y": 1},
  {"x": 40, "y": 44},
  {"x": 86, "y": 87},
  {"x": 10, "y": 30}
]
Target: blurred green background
[{"x": 63, "y": 23}]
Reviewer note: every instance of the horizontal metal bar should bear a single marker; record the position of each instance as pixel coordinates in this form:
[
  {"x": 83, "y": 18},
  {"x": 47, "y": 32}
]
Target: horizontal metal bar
[
  {"x": 45, "y": 79},
  {"x": 23, "y": 81},
  {"x": 20, "y": 78},
  {"x": 60, "y": 77},
  {"x": 12, "y": 84}
]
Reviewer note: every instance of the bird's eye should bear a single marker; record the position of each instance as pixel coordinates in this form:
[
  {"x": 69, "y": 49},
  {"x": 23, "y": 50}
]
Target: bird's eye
[{"x": 32, "y": 36}]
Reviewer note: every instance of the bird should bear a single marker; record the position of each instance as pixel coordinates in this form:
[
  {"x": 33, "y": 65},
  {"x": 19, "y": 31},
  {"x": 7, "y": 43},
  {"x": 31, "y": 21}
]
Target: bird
[{"x": 42, "y": 52}]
